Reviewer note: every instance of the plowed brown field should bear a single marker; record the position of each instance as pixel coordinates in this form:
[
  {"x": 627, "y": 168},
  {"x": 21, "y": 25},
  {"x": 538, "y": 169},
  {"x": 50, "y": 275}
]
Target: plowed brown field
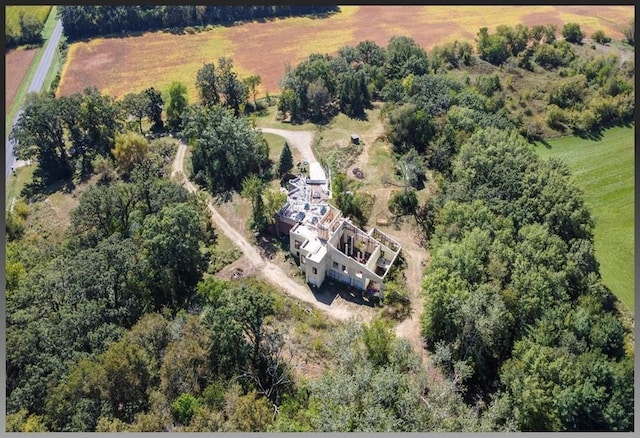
[
  {"x": 17, "y": 64},
  {"x": 121, "y": 65}
]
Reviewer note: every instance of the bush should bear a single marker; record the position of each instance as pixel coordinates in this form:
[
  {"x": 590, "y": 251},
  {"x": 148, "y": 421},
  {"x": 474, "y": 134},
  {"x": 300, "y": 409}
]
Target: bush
[
  {"x": 184, "y": 407},
  {"x": 572, "y": 33},
  {"x": 600, "y": 37}
]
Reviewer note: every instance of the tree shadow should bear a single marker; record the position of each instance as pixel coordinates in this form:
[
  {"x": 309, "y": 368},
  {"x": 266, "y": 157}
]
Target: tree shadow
[
  {"x": 35, "y": 190},
  {"x": 270, "y": 244},
  {"x": 593, "y": 135},
  {"x": 545, "y": 143}
]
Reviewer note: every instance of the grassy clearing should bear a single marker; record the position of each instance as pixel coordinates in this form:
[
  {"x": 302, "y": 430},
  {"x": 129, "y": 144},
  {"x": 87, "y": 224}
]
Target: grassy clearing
[
  {"x": 276, "y": 143},
  {"x": 604, "y": 169},
  {"x": 22, "y": 90},
  {"x": 15, "y": 184},
  {"x": 12, "y": 17},
  {"x": 333, "y": 141},
  {"x": 223, "y": 254},
  {"x": 267, "y": 119}
]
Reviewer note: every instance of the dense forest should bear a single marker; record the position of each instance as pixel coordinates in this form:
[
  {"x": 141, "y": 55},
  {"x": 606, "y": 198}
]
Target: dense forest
[
  {"x": 117, "y": 325},
  {"x": 88, "y": 21}
]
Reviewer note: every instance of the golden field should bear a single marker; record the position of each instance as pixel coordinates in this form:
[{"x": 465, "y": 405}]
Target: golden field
[{"x": 121, "y": 65}]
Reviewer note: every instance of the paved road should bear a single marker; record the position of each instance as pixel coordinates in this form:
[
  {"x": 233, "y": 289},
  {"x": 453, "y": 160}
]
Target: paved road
[{"x": 35, "y": 86}]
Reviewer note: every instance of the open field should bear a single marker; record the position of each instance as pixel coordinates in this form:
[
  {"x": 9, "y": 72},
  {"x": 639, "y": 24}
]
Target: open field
[
  {"x": 17, "y": 63},
  {"x": 121, "y": 65},
  {"x": 604, "y": 169},
  {"x": 12, "y": 17}
]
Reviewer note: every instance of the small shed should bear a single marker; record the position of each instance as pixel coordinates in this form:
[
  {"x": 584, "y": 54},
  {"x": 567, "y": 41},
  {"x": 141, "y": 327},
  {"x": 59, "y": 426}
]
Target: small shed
[{"x": 355, "y": 139}]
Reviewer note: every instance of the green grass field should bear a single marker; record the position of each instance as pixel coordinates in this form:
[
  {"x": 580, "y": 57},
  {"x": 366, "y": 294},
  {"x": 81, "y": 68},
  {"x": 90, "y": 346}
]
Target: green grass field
[
  {"x": 604, "y": 169},
  {"x": 12, "y": 17}
]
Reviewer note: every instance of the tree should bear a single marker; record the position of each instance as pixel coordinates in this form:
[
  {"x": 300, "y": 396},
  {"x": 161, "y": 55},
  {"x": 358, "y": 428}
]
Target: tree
[
  {"x": 207, "y": 85},
  {"x": 289, "y": 103},
  {"x": 274, "y": 200},
  {"x": 30, "y": 29},
  {"x": 241, "y": 342},
  {"x": 318, "y": 97},
  {"x": 252, "y": 82},
  {"x": 103, "y": 211},
  {"x": 572, "y": 33},
  {"x": 252, "y": 189},
  {"x": 599, "y": 37},
  {"x": 492, "y": 48},
  {"x": 92, "y": 121},
  {"x": 409, "y": 127},
  {"x": 172, "y": 245},
  {"x": 131, "y": 148},
  {"x": 186, "y": 367},
  {"x": 184, "y": 407},
  {"x": 225, "y": 148},
  {"x": 136, "y": 105},
  {"x": 629, "y": 32},
  {"x": 403, "y": 202},
  {"x": 154, "y": 109},
  {"x": 403, "y": 57},
  {"x": 354, "y": 94},
  {"x": 568, "y": 92},
  {"x": 177, "y": 104},
  {"x": 39, "y": 136},
  {"x": 516, "y": 37},
  {"x": 233, "y": 91},
  {"x": 285, "y": 162}
]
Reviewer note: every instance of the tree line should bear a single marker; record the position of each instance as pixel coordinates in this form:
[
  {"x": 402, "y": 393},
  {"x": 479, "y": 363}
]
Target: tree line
[
  {"x": 514, "y": 305},
  {"x": 89, "y": 21}
]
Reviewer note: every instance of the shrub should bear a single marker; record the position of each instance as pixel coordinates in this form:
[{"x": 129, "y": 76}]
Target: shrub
[
  {"x": 184, "y": 407},
  {"x": 572, "y": 33}
]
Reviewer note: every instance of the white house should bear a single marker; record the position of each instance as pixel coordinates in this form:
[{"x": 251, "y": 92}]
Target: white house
[{"x": 329, "y": 245}]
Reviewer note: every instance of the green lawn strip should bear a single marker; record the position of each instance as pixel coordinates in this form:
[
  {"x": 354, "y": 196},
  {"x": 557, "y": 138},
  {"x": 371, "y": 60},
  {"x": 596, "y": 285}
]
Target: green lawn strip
[
  {"x": 22, "y": 90},
  {"x": 604, "y": 170},
  {"x": 15, "y": 184}
]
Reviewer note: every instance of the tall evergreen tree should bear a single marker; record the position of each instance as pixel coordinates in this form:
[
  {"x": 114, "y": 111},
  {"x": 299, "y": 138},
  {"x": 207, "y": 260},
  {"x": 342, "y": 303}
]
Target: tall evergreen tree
[{"x": 285, "y": 163}]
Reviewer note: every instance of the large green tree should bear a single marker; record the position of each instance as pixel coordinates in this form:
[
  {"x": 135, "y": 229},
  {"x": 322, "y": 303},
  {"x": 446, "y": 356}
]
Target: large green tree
[
  {"x": 234, "y": 92},
  {"x": 572, "y": 32},
  {"x": 39, "y": 136},
  {"x": 207, "y": 85},
  {"x": 177, "y": 104},
  {"x": 225, "y": 148},
  {"x": 172, "y": 246}
]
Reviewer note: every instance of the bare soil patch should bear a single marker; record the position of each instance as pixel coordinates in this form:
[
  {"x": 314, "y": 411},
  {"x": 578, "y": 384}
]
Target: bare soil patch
[
  {"x": 121, "y": 65},
  {"x": 17, "y": 64}
]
